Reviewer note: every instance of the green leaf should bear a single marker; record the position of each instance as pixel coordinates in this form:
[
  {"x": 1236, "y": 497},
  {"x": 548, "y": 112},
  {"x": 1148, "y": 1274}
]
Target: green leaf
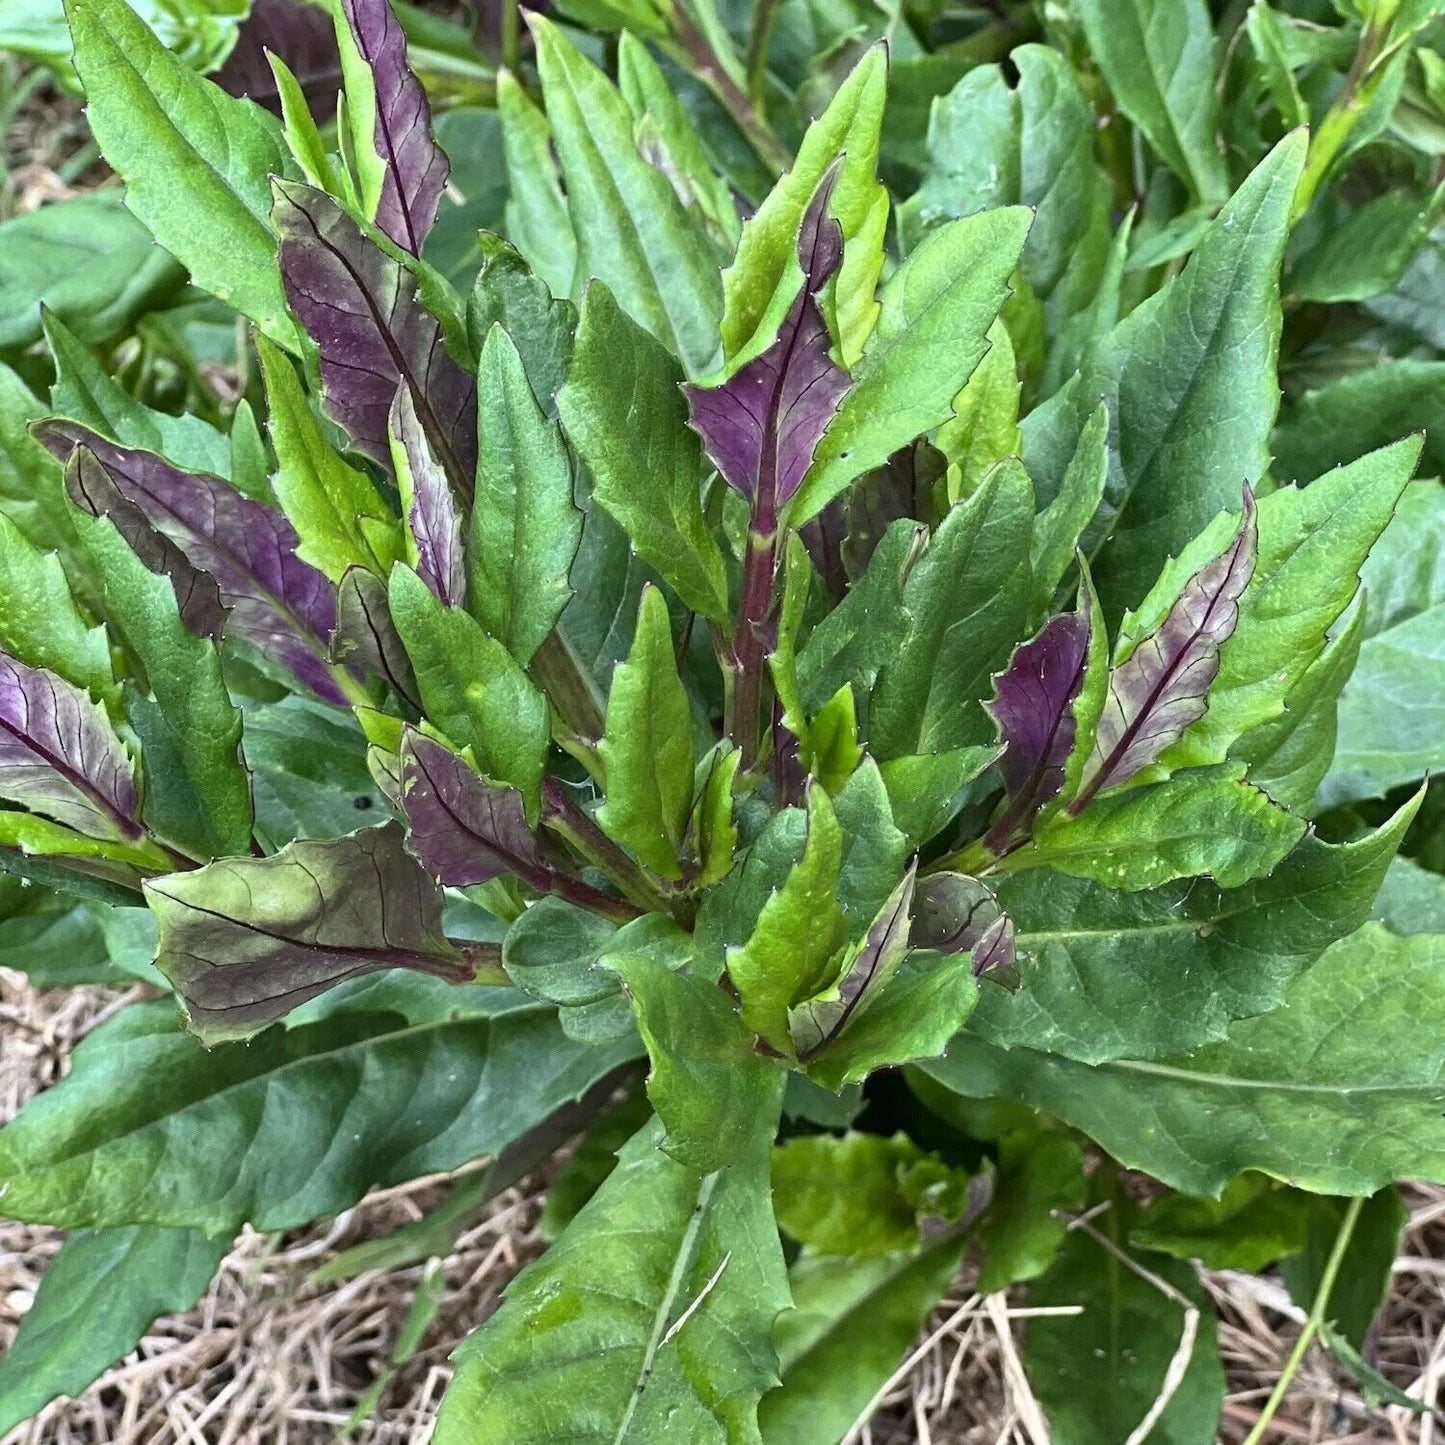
[
  {"x": 472, "y": 687},
  {"x": 1098, "y": 1375},
  {"x": 966, "y": 602},
  {"x": 1189, "y": 381},
  {"x": 646, "y": 749},
  {"x": 1109, "y": 975},
  {"x": 714, "y": 834},
  {"x": 861, "y": 1195},
  {"x": 1209, "y": 823},
  {"x": 1333, "y": 1109},
  {"x": 594, "y": 1158},
  {"x": 851, "y": 1323},
  {"x": 650, "y": 1318},
  {"x": 1411, "y": 899},
  {"x": 552, "y": 950},
  {"x": 395, "y": 1077},
  {"x": 97, "y": 1299},
  {"x": 191, "y": 734},
  {"x": 537, "y": 220},
  {"x": 712, "y": 1091},
  {"x": 633, "y": 233},
  {"x": 1255, "y": 1222},
  {"x": 38, "y": 620},
  {"x": 627, "y": 420},
  {"x": 765, "y": 277},
  {"x": 935, "y": 313},
  {"x": 1059, "y": 526},
  {"x": 87, "y": 260},
  {"x": 1390, "y": 710},
  {"x": 799, "y": 930},
  {"x": 984, "y": 427},
  {"x": 992, "y": 144},
  {"x": 1158, "y": 59},
  {"x": 1039, "y": 1174},
  {"x": 925, "y": 790},
  {"x": 1363, "y": 1283},
  {"x": 197, "y": 163},
  {"x": 1313, "y": 542},
  {"x": 525, "y": 529},
  {"x": 336, "y": 509}
]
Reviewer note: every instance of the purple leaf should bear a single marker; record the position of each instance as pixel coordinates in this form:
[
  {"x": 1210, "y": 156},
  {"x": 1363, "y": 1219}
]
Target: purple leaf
[
  {"x": 366, "y": 638},
  {"x": 1164, "y": 685},
  {"x": 198, "y": 598},
  {"x": 360, "y": 307},
  {"x": 60, "y": 756},
  {"x": 762, "y": 426},
  {"x": 1033, "y": 707},
  {"x": 416, "y": 167},
  {"x": 462, "y": 828},
  {"x": 432, "y": 516},
  {"x": 245, "y": 940},
  {"x": 302, "y": 35},
  {"x": 281, "y": 605},
  {"x": 816, "y": 1023},
  {"x": 954, "y": 913}
]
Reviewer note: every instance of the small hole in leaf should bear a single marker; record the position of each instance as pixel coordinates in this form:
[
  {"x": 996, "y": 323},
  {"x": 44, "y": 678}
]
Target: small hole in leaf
[{"x": 361, "y": 803}]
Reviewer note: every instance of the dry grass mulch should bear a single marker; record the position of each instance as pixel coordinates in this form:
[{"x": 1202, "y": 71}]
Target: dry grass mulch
[{"x": 269, "y": 1358}]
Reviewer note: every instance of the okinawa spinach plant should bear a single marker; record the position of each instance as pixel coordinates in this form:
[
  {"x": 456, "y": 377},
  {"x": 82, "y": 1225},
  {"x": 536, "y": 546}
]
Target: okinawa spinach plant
[{"x": 864, "y": 648}]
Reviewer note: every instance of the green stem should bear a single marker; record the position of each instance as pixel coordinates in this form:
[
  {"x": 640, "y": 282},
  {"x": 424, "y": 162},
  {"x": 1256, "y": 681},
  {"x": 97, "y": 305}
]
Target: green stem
[
  {"x": 1312, "y": 1323},
  {"x": 764, "y": 14},
  {"x": 511, "y": 32}
]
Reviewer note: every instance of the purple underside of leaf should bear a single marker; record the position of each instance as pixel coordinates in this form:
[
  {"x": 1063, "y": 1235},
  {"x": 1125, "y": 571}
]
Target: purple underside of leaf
[
  {"x": 302, "y": 35},
  {"x": 463, "y": 829},
  {"x": 416, "y": 167},
  {"x": 1164, "y": 685},
  {"x": 762, "y": 426},
  {"x": 954, "y": 913},
  {"x": 360, "y": 307},
  {"x": 1033, "y": 707},
  {"x": 198, "y": 598},
  {"x": 436, "y": 525},
  {"x": 60, "y": 756},
  {"x": 277, "y": 603},
  {"x": 366, "y": 638}
]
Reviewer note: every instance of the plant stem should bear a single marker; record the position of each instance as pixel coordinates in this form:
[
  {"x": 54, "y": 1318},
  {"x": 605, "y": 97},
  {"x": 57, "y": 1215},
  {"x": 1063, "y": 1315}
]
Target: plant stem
[
  {"x": 573, "y": 694},
  {"x": 750, "y": 644},
  {"x": 1312, "y": 1324},
  {"x": 764, "y": 13},
  {"x": 511, "y": 32},
  {"x": 483, "y": 962},
  {"x": 561, "y": 813}
]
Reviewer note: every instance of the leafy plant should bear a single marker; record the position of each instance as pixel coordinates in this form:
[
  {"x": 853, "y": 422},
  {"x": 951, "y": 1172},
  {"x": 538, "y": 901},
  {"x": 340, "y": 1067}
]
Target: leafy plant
[{"x": 846, "y": 679}]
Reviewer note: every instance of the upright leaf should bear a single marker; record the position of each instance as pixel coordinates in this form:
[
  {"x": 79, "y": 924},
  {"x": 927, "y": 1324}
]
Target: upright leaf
[
  {"x": 633, "y": 233},
  {"x": 652, "y": 1314},
  {"x": 938, "y": 304},
  {"x": 197, "y": 164},
  {"x": 245, "y": 940},
  {"x": 366, "y": 639},
  {"x": 647, "y": 750},
  {"x": 1189, "y": 380},
  {"x": 1158, "y": 59},
  {"x": 60, "y": 756},
  {"x": 412, "y": 169},
  {"x": 762, "y": 426},
  {"x": 537, "y": 220},
  {"x": 277, "y": 602},
  {"x": 434, "y": 526},
  {"x": 628, "y": 421},
  {"x": 525, "y": 527},
  {"x": 360, "y": 306}
]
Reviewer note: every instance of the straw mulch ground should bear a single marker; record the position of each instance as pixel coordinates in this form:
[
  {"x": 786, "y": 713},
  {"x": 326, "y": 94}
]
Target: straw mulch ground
[{"x": 268, "y": 1358}]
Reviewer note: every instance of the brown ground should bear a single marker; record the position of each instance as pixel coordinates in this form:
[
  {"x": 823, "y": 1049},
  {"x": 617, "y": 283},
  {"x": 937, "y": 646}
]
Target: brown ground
[{"x": 270, "y": 1359}]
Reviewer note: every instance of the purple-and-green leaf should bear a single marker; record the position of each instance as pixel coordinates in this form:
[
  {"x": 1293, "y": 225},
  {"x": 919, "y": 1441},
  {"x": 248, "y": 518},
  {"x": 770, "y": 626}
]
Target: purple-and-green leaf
[
  {"x": 1033, "y": 706},
  {"x": 1163, "y": 685},
  {"x": 198, "y": 598},
  {"x": 762, "y": 426},
  {"x": 462, "y": 828},
  {"x": 360, "y": 307},
  {"x": 303, "y": 36},
  {"x": 953, "y": 913},
  {"x": 432, "y": 517},
  {"x": 366, "y": 638},
  {"x": 277, "y": 603},
  {"x": 60, "y": 756},
  {"x": 415, "y": 166}
]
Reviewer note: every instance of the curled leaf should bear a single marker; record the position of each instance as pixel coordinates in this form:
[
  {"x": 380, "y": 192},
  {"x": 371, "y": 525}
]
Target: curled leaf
[
  {"x": 366, "y": 638},
  {"x": 762, "y": 426},
  {"x": 60, "y": 756},
  {"x": 246, "y": 940},
  {"x": 360, "y": 307},
  {"x": 1033, "y": 707},
  {"x": 431, "y": 510},
  {"x": 954, "y": 913},
  {"x": 1163, "y": 686}
]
